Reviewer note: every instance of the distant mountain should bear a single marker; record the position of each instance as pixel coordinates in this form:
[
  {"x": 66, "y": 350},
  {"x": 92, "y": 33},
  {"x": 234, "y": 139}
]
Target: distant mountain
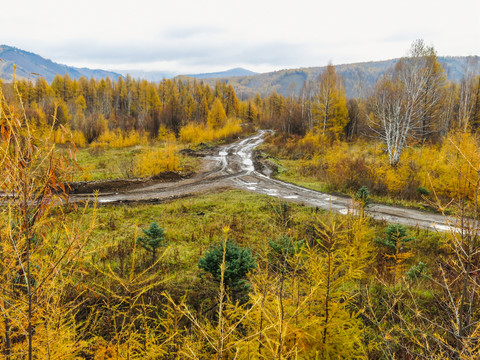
[
  {"x": 359, "y": 77},
  {"x": 224, "y": 74},
  {"x": 149, "y": 75},
  {"x": 30, "y": 65}
]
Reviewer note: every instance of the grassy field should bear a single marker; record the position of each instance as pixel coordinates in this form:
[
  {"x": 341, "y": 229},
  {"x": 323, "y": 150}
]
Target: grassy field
[
  {"x": 193, "y": 224},
  {"x": 200, "y": 220}
]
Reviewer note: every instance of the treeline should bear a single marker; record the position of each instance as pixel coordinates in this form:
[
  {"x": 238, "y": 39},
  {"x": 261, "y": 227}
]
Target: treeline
[
  {"x": 95, "y": 106},
  {"x": 417, "y": 87},
  {"x": 398, "y": 141},
  {"x": 437, "y": 106}
]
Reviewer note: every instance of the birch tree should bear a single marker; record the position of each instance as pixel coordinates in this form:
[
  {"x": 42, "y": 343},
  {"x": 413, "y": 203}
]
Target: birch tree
[
  {"x": 433, "y": 85},
  {"x": 468, "y": 97},
  {"x": 403, "y": 100}
]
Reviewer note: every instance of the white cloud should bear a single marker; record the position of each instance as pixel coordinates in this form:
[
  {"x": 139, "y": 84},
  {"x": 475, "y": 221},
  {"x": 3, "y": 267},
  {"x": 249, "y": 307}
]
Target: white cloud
[{"x": 217, "y": 34}]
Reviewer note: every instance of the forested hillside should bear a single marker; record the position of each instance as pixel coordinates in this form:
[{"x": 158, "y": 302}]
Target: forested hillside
[{"x": 358, "y": 78}]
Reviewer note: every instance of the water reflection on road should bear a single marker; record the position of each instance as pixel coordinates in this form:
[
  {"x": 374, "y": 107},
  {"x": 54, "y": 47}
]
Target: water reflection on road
[{"x": 234, "y": 166}]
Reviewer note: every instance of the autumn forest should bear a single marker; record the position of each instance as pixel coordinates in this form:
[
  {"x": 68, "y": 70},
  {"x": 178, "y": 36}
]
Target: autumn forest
[{"x": 233, "y": 274}]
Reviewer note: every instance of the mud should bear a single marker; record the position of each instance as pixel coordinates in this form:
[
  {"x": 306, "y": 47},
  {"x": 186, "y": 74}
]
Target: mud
[
  {"x": 262, "y": 165},
  {"x": 238, "y": 165},
  {"x": 116, "y": 185}
]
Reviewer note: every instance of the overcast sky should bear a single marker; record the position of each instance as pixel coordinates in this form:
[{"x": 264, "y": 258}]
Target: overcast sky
[{"x": 192, "y": 36}]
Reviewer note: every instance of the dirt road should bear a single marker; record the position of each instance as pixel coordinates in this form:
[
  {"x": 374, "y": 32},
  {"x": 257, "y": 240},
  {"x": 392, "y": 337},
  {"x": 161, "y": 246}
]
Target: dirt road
[{"x": 233, "y": 167}]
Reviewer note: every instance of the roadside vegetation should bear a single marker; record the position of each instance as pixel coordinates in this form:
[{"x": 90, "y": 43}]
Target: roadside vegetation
[{"x": 426, "y": 172}]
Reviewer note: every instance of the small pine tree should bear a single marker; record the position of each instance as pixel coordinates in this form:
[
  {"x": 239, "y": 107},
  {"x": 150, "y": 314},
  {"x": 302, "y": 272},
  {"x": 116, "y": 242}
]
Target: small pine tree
[
  {"x": 362, "y": 197},
  {"x": 282, "y": 251},
  {"x": 239, "y": 262},
  {"x": 417, "y": 271},
  {"x": 397, "y": 236},
  {"x": 395, "y": 241},
  {"x": 153, "y": 239}
]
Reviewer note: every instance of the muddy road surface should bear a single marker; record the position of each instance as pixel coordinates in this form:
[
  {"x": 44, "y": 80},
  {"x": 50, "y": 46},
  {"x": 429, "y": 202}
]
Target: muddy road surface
[{"x": 233, "y": 166}]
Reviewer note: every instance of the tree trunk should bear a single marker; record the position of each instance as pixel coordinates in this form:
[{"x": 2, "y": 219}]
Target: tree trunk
[
  {"x": 327, "y": 299},
  {"x": 282, "y": 316}
]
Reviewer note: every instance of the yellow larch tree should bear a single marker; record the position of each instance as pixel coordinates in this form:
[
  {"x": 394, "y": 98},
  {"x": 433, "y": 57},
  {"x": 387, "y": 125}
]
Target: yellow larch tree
[
  {"x": 216, "y": 116},
  {"x": 330, "y": 111}
]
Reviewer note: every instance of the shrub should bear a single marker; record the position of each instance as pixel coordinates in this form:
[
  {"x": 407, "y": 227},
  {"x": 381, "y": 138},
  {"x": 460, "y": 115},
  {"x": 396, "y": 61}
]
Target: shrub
[
  {"x": 62, "y": 135},
  {"x": 362, "y": 197},
  {"x": 423, "y": 191},
  {"x": 165, "y": 135},
  {"x": 199, "y": 133},
  {"x": 154, "y": 161},
  {"x": 120, "y": 139}
]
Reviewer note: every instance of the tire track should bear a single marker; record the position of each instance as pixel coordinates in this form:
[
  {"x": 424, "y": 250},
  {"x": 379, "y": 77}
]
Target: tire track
[{"x": 234, "y": 168}]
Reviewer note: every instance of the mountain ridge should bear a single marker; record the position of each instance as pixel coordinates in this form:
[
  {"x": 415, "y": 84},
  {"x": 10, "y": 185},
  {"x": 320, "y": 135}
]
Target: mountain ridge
[
  {"x": 238, "y": 71},
  {"x": 28, "y": 65},
  {"x": 358, "y": 77}
]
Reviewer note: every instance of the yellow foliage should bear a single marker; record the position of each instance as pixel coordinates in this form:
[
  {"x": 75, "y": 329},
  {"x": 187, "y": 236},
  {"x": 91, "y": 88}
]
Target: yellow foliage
[
  {"x": 393, "y": 178},
  {"x": 58, "y": 136},
  {"x": 86, "y": 174},
  {"x": 216, "y": 116},
  {"x": 78, "y": 138},
  {"x": 310, "y": 313},
  {"x": 448, "y": 169},
  {"x": 154, "y": 161},
  {"x": 64, "y": 135},
  {"x": 313, "y": 143},
  {"x": 330, "y": 111},
  {"x": 199, "y": 133},
  {"x": 456, "y": 171},
  {"x": 165, "y": 135},
  {"x": 120, "y": 139},
  {"x": 334, "y": 156}
]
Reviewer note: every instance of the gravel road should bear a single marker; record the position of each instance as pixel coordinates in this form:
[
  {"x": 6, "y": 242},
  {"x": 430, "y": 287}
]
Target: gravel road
[{"x": 233, "y": 167}]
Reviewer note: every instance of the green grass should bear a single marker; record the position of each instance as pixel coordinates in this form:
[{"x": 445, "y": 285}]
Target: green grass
[
  {"x": 191, "y": 226},
  {"x": 199, "y": 219},
  {"x": 105, "y": 163},
  {"x": 288, "y": 170}
]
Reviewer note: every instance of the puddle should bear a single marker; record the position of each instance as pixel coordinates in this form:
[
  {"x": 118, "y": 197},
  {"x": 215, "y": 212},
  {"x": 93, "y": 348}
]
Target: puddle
[
  {"x": 248, "y": 165},
  {"x": 442, "y": 227},
  {"x": 104, "y": 200},
  {"x": 271, "y": 192}
]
